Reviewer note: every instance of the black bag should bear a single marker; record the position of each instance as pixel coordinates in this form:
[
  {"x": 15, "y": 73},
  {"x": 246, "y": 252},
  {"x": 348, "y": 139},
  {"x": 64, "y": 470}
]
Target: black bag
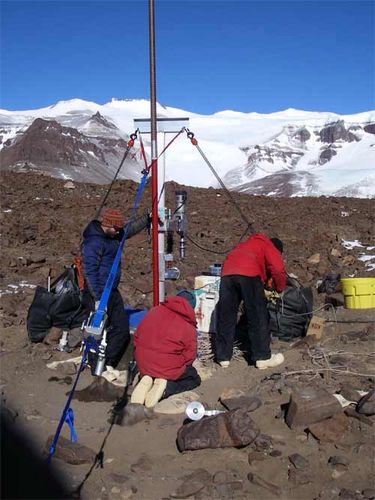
[
  {"x": 60, "y": 307},
  {"x": 290, "y": 315}
]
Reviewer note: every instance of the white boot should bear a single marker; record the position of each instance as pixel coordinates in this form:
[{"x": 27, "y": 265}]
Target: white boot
[
  {"x": 141, "y": 389},
  {"x": 156, "y": 393},
  {"x": 274, "y": 360},
  {"x": 224, "y": 364}
]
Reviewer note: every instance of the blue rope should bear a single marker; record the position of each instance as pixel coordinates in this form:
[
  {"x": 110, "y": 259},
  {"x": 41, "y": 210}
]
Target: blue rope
[
  {"x": 67, "y": 414},
  {"x": 100, "y": 312},
  {"x": 90, "y": 343},
  {"x": 69, "y": 419}
]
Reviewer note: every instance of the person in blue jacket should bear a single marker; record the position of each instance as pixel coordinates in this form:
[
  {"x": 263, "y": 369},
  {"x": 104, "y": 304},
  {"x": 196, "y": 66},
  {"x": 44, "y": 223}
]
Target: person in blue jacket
[{"x": 101, "y": 240}]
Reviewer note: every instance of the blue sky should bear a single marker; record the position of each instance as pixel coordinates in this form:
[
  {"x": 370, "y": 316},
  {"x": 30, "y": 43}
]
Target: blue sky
[{"x": 245, "y": 55}]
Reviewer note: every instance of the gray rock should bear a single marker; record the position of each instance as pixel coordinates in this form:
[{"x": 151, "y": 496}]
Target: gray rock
[
  {"x": 369, "y": 493},
  {"x": 338, "y": 460},
  {"x": 194, "y": 484},
  {"x": 299, "y": 477},
  {"x": 349, "y": 393},
  {"x": 298, "y": 461},
  {"x": 366, "y": 405}
]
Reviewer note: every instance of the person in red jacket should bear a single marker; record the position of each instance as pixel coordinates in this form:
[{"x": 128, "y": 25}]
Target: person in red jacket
[
  {"x": 245, "y": 271},
  {"x": 165, "y": 348}
]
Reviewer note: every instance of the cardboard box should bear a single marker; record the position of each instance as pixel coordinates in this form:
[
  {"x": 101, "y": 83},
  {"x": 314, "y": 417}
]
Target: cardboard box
[{"x": 316, "y": 327}]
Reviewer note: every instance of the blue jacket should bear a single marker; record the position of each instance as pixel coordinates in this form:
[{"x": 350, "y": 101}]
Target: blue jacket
[{"x": 98, "y": 252}]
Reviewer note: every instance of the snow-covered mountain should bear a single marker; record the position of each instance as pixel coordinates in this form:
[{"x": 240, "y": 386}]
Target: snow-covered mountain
[{"x": 289, "y": 153}]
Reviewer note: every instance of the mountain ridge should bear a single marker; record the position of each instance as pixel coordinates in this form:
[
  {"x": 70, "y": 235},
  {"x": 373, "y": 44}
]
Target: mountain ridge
[{"x": 327, "y": 153}]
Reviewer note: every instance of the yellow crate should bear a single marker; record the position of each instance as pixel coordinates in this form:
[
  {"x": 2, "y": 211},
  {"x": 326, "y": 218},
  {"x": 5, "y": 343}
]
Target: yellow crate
[{"x": 359, "y": 293}]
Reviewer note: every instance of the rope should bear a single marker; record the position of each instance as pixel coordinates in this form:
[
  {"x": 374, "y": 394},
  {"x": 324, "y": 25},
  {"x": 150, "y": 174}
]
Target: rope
[
  {"x": 100, "y": 312},
  {"x": 226, "y": 190},
  {"x": 129, "y": 145},
  {"x": 67, "y": 414},
  {"x": 214, "y": 251}
]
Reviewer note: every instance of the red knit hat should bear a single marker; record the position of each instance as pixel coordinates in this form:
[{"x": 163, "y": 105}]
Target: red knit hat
[{"x": 113, "y": 218}]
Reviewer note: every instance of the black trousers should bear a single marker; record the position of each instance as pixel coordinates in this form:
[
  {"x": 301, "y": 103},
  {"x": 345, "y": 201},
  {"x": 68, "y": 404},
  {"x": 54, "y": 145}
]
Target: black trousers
[
  {"x": 188, "y": 381},
  {"x": 233, "y": 289},
  {"x": 118, "y": 335}
]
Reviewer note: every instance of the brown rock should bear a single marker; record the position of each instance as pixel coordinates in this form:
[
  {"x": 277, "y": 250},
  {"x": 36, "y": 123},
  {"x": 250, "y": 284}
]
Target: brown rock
[
  {"x": 330, "y": 430},
  {"x": 314, "y": 259},
  {"x": 250, "y": 403},
  {"x": 234, "y": 428},
  {"x": 309, "y": 405},
  {"x": 71, "y": 453},
  {"x": 99, "y": 390}
]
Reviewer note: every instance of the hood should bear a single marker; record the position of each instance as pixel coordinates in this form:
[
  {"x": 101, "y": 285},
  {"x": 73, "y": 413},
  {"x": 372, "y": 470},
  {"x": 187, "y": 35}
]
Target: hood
[
  {"x": 182, "y": 307},
  {"x": 258, "y": 236}
]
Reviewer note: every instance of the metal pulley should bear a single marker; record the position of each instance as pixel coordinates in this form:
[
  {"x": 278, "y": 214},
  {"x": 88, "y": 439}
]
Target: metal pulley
[{"x": 196, "y": 411}]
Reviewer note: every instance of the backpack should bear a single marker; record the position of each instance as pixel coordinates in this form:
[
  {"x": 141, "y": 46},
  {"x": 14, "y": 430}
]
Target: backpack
[
  {"x": 60, "y": 306},
  {"x": 291, "y": 313}
]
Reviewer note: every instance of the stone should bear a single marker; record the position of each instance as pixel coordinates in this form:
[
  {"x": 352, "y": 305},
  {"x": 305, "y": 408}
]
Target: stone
[
  {"x": 298, "y": 461},
  {"x": 259, "y": 481},
  {"x": 348, "y": 260},
  {"x": 330, "y": 430},
  {"x": 132, "y": 414},
  {"x": 99, "y": 390},
  {"x": 338, "y": 460},
  {"x": 53, "y": 336},
  {"x": 369, "y": 493},
  {"x": 193, "y": 483},
  {"x": 71, "y": 453},
  {"x": 66, "y": 369},
  {"x": 299, "y": 477},
  {"x": 309, "y": 405},
  {"x": 251, "y": 403},
  {"x": 69, "y": 185},
  {"x": 231, "y": 393},
  {"x": 349, "y": 393},
  {"x": 229, "y": 489},
  {"x": 143, "y": 464},
  {"x": 366, "y": 405},
  {"x": 314, "y": 259},
  {"x": 176, "y": 404},
  {"x": 233, "y": 428},
  {"x": 329, "y": 493},
  {"x": 263, "y": 443},
  {"x": 255, "y": 456},
  {"x": 350, "y": 412},
  {"x": 335, "y": 252},
  {"x": 276, "y": 453}
]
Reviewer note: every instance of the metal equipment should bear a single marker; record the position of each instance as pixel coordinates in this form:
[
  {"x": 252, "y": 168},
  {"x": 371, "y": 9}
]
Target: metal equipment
[{"x": 196, "y": 411}]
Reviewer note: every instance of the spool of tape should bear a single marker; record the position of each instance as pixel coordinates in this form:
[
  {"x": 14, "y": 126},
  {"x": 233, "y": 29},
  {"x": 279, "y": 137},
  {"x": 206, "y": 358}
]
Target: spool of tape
[{"x": 195, "y": 410}]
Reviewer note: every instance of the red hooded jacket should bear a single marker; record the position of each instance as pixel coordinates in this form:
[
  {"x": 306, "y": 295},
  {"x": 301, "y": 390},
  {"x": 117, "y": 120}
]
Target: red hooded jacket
[
  {"x": 257, "y": 256},
  {"x": 166, "y": 339}
]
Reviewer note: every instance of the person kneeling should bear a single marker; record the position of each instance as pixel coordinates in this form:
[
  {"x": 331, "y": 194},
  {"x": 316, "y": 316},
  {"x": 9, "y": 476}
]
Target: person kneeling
[{"x": 165, "y": 348}]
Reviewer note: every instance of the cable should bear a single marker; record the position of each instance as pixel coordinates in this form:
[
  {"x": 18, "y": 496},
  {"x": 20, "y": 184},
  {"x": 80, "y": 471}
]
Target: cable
[
  {"x": 226, "y": 190},
  {"x": 215, "y": 251},
  {"x": 129, "y": 145}
]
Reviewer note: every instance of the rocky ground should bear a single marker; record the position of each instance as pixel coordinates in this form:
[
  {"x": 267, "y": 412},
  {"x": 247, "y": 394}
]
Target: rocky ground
[{"x": 41, "y": 223}]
